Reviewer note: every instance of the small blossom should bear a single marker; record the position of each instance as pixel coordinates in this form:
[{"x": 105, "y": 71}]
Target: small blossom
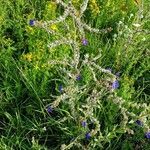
[
  {"x": 115, "y": 84},
  {"x": 78, "y": 77},
  {"x": 49, "y": 109},
  {"x": 84, "y": 42},
  {"x": 139, "y": 122},
  {"x": 60, "y": 88},
  {"x": 53, "y": 27},
  {"x": 32, "y": 22},
  {"x": 83, "y": 123},
  {"x": 87, "y": 136},
  {"x": 147, "y": 135}
]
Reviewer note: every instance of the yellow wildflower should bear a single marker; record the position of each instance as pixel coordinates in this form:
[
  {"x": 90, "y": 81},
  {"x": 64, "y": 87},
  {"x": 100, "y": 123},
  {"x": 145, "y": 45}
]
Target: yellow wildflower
[
  {"x": 52, "y": 6},
  {"x": 27, "y": 57},
  {"x": 50, "y": 11},
  {"x": 53, "y": 27},
  {"x": 94, "y": 7}
]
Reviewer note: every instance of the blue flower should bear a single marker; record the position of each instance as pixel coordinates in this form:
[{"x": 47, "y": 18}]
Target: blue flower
[
  {"x": 60, "y": 88},
  {"x": 115, "y": 84},
  {"x": 84, "y": 42},
  {"x": 78, "y": 77},
  {"x": 139, "y": 122},
  {"x": 147, "y": 135},
  {"x": 83, "y": 123},
  {"x": 32, "y": 22},
  {"x": 88, "y": 136},
  {"x": 49, "y": 109}
]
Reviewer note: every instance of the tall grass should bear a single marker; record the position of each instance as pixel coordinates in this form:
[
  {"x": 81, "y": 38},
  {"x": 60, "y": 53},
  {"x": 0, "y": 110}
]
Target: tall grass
[{"x": 80, "y": 83}]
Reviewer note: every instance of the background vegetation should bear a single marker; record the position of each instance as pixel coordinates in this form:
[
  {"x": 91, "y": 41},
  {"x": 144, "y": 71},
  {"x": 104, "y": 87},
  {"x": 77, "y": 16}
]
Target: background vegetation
[{"x": 47, "y": 104}]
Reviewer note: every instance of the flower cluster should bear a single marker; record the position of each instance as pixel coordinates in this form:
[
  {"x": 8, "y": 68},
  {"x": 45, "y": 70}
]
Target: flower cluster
[{"x": 28, "y": 57}]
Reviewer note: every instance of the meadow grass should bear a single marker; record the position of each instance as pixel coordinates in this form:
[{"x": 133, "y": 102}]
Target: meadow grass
[{"x": 77, "y": 82}]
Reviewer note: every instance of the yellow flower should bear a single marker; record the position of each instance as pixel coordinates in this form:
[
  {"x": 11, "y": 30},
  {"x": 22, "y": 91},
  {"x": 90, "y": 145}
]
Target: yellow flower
[
  {"x": 50, "y": 11},
  {"x": 53, "y": 27},
  {"x": 52, "y": 6},
  {"x": 94, "y": 7},
  {"x": 28, "y": 57}
]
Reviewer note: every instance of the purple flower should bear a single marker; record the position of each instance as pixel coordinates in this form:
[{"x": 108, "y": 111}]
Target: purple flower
[
  {"x": 49, "y": 109},
  {"x": 140, "y": 123},
  {"x": 115, "y": 84},
  {"x": 78, "y": 77},
  {"x": 60, "y": 88},
  {"x": 83, "y": 123},
  {"x": 84, "y": 42},
  {"x": 32, "y": 22},
  {"x": 147, "y": 135},
  {"x": 88, "y": 136}
]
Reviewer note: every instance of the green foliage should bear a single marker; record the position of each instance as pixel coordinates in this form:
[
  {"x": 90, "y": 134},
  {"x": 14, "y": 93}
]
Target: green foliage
[{"x": 31, "y": 74}]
